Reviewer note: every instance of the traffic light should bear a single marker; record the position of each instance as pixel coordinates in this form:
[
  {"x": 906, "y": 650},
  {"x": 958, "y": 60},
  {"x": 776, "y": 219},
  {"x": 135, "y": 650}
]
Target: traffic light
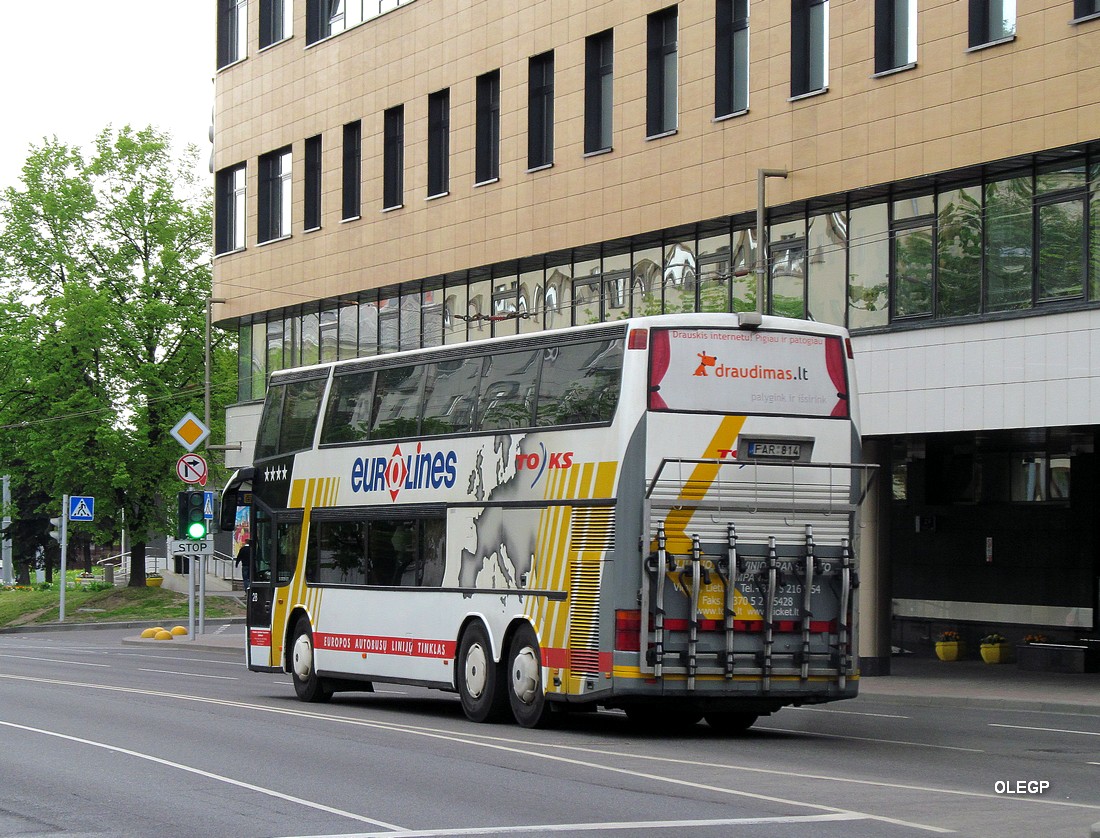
[
  {"x": 55, "y": 529},
  {"x": 192, "y": 515}
]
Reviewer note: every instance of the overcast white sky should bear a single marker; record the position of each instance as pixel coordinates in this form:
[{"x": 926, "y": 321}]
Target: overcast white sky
[{"x": 71, "y": 67}]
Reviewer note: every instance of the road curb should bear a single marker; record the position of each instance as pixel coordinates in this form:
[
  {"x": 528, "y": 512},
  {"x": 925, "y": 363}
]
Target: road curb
[{"x": 106, "y": 626}]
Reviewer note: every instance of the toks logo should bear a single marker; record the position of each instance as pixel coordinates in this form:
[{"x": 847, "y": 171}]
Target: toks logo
[
  {"x": 422, "y": 470},
  {"x": 538, "y": 462}
]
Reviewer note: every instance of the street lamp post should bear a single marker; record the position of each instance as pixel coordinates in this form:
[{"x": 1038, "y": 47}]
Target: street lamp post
[{"x": 761, "y": 257}]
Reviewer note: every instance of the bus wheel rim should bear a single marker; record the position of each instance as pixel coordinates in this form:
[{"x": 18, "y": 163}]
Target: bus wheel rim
[
  {"x": 303, "y": 657},
  {"x": 525, "y": 675},
  {"x": 475, "y": 670}
]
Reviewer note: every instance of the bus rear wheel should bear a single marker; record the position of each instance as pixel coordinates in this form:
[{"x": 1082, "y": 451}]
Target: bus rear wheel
[
  {"x": 303, "y": 669},
  {"x": 478, "y": 677},
  {"x": 529, "y": 705}
]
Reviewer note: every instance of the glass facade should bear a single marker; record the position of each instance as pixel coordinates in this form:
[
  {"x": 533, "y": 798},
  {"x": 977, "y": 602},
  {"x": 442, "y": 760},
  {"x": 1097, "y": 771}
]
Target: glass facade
[{"x": 1014, "y": 241}]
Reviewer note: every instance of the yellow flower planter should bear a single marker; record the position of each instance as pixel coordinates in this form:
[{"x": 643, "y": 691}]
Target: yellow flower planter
[
  {"x": 949, "y": 650},
  {"x": 154, "y": 581},
  {"x": 995, "y": 652}
]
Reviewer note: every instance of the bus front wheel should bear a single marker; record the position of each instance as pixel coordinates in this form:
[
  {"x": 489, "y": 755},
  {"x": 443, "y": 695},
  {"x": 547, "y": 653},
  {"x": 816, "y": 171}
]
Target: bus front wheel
[
  {"x": 303, "y": 669},
  {"x": 525, "y": 693},
  {"x": 478, "y": 677}
]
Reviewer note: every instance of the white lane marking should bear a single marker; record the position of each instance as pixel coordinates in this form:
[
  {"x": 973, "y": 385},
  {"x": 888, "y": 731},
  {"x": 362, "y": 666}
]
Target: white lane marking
[
  {"x": 868, "y": 739},
  {"x": 849, "y": 712},
  {"x": 54, "y": 660},
  {"x": 207, "y": 774},
  {"x": 542, "y": 828},
  {"x": 495, "y": 743},
  {"x": 191, "y": 674},
  {"x": 1049, "y": 729}
]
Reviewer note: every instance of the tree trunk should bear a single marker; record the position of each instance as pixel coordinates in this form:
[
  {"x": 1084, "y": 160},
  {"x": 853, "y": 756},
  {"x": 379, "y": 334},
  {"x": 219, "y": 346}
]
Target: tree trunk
[{"x": 137, "y": 565}]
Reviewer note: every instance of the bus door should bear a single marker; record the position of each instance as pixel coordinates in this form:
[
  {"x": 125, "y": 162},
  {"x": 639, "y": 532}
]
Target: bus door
[{"x": 274, "y": 553}]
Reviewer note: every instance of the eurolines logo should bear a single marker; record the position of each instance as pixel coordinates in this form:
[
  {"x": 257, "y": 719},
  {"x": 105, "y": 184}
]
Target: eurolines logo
[{"x": 422, "y": 470}]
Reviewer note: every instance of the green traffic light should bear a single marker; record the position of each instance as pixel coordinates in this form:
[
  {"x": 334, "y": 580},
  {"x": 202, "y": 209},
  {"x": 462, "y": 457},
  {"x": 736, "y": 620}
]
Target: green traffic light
[{"x": 196, "y": 529}]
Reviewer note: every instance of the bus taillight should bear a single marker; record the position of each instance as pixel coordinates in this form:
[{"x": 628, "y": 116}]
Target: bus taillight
[
  {"x": 848, "y": 346},
  {"x": 628, "y": 628},
  {"x": 638, "y": 339}
]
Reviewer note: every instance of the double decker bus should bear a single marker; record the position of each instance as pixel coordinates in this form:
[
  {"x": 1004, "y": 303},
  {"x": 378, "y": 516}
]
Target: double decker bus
[{"x": 657, "y": 515}]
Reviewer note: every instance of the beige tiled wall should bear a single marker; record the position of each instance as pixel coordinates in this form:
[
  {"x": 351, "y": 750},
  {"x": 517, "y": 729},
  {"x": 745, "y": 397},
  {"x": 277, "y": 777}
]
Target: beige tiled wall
[{"x": 956, "y": 108}]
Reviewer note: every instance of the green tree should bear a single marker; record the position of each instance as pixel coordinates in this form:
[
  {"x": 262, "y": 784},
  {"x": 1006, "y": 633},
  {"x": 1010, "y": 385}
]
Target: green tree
[{"x": 106, "y": 269}]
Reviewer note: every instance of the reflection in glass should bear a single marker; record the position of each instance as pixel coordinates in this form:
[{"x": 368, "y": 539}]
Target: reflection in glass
[
  {"x": 959, "y": 252},
  {"x": 868, "y": 267}
]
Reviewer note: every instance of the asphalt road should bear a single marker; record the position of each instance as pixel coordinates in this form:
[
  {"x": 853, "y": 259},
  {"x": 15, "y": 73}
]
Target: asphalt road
[{"x": 98, "y": 738}]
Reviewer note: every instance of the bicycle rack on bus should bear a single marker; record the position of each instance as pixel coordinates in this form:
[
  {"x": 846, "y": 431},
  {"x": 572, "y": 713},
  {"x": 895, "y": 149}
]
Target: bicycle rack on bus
[{"x": 768, "y": 511}]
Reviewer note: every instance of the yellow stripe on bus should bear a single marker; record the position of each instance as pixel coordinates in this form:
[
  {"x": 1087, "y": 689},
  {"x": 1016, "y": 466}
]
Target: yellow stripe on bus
[{"x": 698, "y": 484}]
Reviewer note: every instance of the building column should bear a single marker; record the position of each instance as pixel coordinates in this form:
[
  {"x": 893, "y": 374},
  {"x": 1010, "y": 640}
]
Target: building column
[{"x": 874, "y": 565}]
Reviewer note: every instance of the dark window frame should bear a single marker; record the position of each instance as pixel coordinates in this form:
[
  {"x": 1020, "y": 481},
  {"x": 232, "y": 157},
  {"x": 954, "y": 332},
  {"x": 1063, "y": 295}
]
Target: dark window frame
[
  {"x": 804, "y": 54},
  {"x": 599, "y": 75},
  {"x": 540, "y": 111},
  {"x": 439, "y": 129},
  {"x": 887, "y": 56},
  {"x": 313, "y": 190},
  {"x": 662, "y": 72},
  {"x": 981, "y": 30},
  {"x": 352, "y": 192},
  {"x": 270, "y": 181},
  {"x": 225, "y": 210},
  {"x": 229, "y": 21},
  {"x": 1085, "y": 10},
  {"x": 731, "y": 67},
  {"x": 393, "y": 157},
  {"x": 273, "y": 22},
  {"x": 487, "y": 152}
]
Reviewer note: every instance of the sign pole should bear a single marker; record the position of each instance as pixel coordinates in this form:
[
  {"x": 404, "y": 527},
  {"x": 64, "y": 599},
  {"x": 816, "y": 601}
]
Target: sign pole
[
  {"x": 8, "y": 577},
  {"x": 64, "y": 549},
  {"x": 191, "y": 597},
  {"x": 202, "y": 594}
]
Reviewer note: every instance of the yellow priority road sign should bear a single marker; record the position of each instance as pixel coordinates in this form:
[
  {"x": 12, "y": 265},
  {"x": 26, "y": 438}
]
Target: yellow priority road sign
[{"x": 190, "y": 431}]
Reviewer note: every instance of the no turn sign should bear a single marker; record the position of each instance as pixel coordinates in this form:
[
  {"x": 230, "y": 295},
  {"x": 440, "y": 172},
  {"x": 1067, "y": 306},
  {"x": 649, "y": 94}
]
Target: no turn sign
[{"x": 191, "y": 468}]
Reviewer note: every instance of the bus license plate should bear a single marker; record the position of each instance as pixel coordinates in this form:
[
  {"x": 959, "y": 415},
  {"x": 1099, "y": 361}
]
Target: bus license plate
[{"x": 784, "y": 450}]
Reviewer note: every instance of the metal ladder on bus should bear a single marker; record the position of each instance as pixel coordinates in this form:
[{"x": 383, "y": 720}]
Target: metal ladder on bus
[{"x": 730, "y": 569}]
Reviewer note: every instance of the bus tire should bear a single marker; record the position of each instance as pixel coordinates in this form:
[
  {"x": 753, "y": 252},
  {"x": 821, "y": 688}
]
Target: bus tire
[
  {"x": 478, "y": 677},
  {"x": 302, "y": 666},
  {"x": 529, "y": 705},
  {"x": 730, "y": 723}
]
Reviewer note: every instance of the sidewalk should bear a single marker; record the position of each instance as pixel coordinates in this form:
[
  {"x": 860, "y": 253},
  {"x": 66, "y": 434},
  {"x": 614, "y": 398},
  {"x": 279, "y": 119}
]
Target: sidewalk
[
  {"x": 914, "y": 680},
  {"x": 931, "y": 681}
]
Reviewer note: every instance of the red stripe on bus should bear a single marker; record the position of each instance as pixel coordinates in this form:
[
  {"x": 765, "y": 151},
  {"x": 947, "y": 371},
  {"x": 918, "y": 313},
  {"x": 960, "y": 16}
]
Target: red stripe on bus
[
  {"x": 816, "y": 626},
  {"x": 577, "y": 660},
  {"x": 381, "y": 645}
]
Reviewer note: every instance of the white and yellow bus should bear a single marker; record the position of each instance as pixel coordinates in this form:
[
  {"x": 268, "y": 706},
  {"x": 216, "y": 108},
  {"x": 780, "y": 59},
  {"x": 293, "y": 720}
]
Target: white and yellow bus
[{"x": 657, "y": 515}]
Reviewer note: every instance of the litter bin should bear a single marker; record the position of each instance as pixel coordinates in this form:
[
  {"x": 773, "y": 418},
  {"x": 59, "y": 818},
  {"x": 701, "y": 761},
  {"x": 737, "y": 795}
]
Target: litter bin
[{"x": 182, "y": 564}]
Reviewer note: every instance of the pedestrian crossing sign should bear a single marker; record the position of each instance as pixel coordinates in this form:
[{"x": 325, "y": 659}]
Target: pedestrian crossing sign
[{"x": 81, "y": 508}]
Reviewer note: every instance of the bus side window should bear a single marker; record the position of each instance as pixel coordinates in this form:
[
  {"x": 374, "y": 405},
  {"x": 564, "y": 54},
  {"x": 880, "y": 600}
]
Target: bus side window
[
  {"x": 397, "y": 402},
  {"x": 301, "y": 410},
  {"x": 506, "y": 391},
  {"x": 347, "y": 418},
  {"x": 580, "y": 383}
]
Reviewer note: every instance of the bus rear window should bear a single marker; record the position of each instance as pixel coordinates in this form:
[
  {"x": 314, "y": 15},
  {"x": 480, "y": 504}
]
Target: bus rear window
[{"x": 736, "y": 371}]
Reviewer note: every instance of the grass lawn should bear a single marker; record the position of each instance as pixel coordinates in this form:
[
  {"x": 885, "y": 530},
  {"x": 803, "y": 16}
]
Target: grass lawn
[{"x": 20, "y": 606}]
